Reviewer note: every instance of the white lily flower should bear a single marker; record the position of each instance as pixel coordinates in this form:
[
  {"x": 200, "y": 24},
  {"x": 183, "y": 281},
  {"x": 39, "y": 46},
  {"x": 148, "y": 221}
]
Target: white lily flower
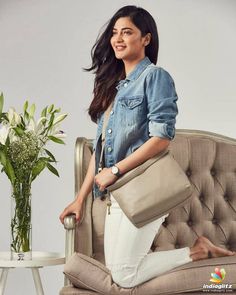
[
  {"x": 13, "y": 117},
  {"x": 17, "y": 118},
  {"x": 10, "y": 115},
  {"x": 39, "y": 125},
  {"x": 60, "y": 134},
  {"x": 12, "y": 136},
  {"x": 31, "y": 126},
  {"x": 4, "y": 131},
  {"x": 57, "y": 132},
  {"x": 59, "y": 119}
]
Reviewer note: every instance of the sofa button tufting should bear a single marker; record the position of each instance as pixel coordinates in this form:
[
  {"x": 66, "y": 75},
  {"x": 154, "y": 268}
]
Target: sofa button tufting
[
  {"x": 188, "y": 172},
  {"x": 164, "y": 223},
  {"x": 201, "y": 198},
  {"x": 214, "y": 221},
  {"x": 189, "y": 222},
  {"x": 226, "y": 198},
  {"x": 213, "y": 172},
  {"x": 176, "y": 246}
]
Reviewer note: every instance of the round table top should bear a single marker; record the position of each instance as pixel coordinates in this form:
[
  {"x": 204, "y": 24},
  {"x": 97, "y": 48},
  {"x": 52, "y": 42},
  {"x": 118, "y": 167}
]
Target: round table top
[{"x": 39, "y": 259}]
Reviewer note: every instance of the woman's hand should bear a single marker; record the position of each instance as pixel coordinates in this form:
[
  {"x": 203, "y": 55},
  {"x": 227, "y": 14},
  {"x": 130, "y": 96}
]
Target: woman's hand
[
  {"x": 74, "y": 207},
  {"x": 105, "y": 178}
]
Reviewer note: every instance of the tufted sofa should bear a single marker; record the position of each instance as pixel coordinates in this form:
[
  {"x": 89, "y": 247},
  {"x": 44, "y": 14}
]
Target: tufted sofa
[{"x": 209, "y": 161}]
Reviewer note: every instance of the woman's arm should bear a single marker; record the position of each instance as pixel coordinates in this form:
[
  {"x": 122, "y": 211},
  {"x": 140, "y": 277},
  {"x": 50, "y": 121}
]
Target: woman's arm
[
  {"x": 76, "y": 206},
  {"x": 149, "y": 149}
]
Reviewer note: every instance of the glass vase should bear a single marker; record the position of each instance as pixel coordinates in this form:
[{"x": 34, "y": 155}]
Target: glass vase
[{"x": 21, "y": 229}]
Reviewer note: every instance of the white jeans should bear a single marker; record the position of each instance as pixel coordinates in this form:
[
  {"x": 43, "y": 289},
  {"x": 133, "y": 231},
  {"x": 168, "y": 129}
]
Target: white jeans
[{"x": 126, "y": 248}]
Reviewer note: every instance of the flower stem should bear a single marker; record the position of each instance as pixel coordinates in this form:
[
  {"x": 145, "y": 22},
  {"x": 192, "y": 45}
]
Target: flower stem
[{"x": 21, "y": 220}]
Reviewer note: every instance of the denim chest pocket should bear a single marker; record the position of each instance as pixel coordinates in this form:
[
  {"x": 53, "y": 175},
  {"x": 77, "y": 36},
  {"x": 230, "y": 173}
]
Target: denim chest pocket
[
  {"x": 131, "y": 109},
  {"x": 131, "y": 102}
]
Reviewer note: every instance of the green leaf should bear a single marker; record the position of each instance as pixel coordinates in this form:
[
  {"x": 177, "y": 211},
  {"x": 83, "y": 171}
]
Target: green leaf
[
  {"x": 59, "y": 119},
  {"x": 44, "y": 112},
  {"x": 1, "y": 103},
  {"x": 7, "y": 141},
  {"x": 50, "y": 108},
  {"x": 52, "y": 169},
  {"x": 57, "y": 111},
  {"x": 50, "y": 155},
  {"x": 55, "y": 139},
  {"x": 32, "y": 110},
  {"x": 26, "y": 116},
  {"x": 7, "y": 167},
  {"x": 38, "y": 167},
  {"x": 22, "y": 122},
  {"x": 2, "y": 158},
  {"x": 25, "y": 106},
  {"x": 10, "y": 171},
  {"x": 18, "y": 131},
  {"x": 3, "y": 117},
  {"x": 51, "y": 121}
]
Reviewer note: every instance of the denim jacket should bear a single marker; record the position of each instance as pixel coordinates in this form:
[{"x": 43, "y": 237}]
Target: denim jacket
[{"x": 144, "y": 106}]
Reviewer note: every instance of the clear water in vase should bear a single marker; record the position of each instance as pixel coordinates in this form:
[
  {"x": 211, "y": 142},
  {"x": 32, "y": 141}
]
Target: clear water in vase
[{"x": 21, "y": 228}]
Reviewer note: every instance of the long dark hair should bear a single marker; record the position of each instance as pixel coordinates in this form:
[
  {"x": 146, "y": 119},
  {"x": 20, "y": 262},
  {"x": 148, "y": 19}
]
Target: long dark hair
[{"x": 107, "y": 68}]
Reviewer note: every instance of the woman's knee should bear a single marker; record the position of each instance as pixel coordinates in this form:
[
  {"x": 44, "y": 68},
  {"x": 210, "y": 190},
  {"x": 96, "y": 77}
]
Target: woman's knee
[{"x": 124, "y": 276}]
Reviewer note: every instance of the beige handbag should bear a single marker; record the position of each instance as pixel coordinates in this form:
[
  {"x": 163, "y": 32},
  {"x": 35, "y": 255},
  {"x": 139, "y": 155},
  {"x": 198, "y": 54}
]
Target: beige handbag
[{"x": 152, "y": 189}]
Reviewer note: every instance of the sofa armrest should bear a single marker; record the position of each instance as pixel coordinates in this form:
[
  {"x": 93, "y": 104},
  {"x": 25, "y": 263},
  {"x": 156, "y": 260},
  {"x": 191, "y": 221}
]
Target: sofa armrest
[
  {"x": 79, "y": 234},
  {"x": 69, "y": 225}
]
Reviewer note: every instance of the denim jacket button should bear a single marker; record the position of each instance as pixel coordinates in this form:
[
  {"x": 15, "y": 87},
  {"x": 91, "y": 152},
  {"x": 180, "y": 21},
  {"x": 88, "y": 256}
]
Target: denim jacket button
[
  {"x": 109, "y": 130},
  {"x": 126, "y": 84},
  {"x": 109, "y": 149},
  {"x": 112, "y": 112}
]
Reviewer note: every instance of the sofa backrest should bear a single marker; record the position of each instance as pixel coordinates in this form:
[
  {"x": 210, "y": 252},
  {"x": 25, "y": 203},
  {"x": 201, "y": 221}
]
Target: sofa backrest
[{"x": 209, "y": 161}]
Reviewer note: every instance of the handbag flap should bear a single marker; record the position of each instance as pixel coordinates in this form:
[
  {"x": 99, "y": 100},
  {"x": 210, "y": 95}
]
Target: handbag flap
[{"x": 136, "y": 171}]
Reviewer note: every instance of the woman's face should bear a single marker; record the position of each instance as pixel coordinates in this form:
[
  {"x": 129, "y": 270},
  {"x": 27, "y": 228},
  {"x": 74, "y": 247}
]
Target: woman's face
[{"x": 127, "y": 41}]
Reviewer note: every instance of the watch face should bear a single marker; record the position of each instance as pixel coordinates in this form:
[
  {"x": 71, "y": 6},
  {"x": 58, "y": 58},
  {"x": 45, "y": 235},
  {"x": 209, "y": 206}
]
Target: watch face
[{"x": 114, "y": 170}]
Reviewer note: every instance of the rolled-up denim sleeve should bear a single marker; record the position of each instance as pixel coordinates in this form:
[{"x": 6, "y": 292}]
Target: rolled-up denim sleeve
[{"x": 161, "y": 102}]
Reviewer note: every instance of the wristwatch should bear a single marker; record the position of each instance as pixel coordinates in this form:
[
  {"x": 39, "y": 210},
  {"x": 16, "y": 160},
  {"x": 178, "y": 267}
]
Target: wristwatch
[{"x": 115, "y": 170}]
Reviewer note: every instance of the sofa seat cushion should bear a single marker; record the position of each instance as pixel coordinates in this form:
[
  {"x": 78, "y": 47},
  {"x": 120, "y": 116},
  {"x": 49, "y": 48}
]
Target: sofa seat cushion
[
  {"x": 70, "y": 290},
  {"x": 190, "y": 277},
  {"x": 87, "y": 273}
]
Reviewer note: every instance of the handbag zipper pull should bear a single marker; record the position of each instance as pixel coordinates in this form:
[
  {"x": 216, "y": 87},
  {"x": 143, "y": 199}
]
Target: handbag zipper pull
[{"x": 109, "y": 206}]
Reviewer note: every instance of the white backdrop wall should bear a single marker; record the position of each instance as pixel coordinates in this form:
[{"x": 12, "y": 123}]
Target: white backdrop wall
[{"x": 43, "y": 47}]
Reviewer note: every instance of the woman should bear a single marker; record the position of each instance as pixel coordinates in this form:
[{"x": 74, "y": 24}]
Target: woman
[{"x": 141, "y": 125}]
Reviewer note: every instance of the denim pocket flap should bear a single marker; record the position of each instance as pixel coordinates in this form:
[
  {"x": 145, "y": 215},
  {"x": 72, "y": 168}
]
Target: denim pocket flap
[{"x": 131, "y": 102}]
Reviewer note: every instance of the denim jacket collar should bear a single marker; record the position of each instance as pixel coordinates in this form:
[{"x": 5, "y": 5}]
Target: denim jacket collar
[{"x": 139, "y": 68}]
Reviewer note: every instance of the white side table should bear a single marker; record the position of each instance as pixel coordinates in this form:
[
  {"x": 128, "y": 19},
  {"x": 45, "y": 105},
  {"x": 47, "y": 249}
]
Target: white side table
[{"x": 39, "y": 259}]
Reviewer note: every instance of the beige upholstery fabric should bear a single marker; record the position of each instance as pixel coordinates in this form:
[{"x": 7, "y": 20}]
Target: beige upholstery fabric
[
  {"x": 84, "y": 229},
  {"x": 75, "y": 291},
  {"x": 210, "y": 163},
  {"x": 88, "y": 273}
]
